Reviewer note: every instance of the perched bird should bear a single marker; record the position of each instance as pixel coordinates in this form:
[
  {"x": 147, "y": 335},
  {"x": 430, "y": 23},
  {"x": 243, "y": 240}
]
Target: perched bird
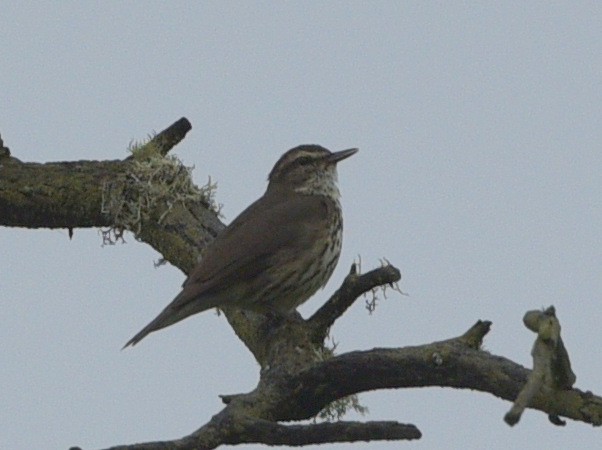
[{"x": 278, "y": 252}]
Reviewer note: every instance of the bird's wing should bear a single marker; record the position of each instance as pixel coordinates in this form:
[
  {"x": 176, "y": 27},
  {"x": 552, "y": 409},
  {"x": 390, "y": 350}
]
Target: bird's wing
[
  {"x": 264, "y": 228},
  {"x": 241, "y": 251}
]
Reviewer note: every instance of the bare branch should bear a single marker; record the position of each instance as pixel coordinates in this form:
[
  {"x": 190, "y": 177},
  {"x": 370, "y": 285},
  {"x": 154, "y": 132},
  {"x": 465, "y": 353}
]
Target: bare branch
[
  {"x": 171, "y": 136},
  {"x": 250, "y": 431},
  {"x": 353, "y": 286},
  {"x": 473, "y": 338},
  {"x": 55, "y": 195},
  {"x": 450, "y": 363},
  {"x": 271, "y": 433},
  {"x": 254, "y": 417}
]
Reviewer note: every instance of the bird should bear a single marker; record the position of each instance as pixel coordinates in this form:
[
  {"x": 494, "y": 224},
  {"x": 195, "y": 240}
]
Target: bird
[{"x": 278, "y": 252}]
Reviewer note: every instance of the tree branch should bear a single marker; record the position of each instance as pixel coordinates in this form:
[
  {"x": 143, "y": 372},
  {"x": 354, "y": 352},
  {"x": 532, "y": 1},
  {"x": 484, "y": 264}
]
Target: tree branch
[
  {"x": 55, "y": 195},
  {"x": 353, "y": 286},
  {"x": 66, "y": 194},
  {"x": 251, "y": 431},
  {"x": 75, "y": 194},
  {"x": 271, "y": 433},
  {"x": 450, "y": 363},
  {"x": 171, "y": 136}
]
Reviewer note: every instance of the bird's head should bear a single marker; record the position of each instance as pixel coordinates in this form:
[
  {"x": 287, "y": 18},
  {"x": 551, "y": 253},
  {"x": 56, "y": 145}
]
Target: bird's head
[{"x": 308, "y": 169}]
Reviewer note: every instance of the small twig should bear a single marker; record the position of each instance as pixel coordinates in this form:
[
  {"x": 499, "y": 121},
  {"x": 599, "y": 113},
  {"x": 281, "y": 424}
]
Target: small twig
[
  {"x": 169, "y": 137},
  {"x": 172, "y": 135},
  {"x": 473, "y": 338},
  {"x": 353, "y": 286},
  {"x": 4, "y": 151}
]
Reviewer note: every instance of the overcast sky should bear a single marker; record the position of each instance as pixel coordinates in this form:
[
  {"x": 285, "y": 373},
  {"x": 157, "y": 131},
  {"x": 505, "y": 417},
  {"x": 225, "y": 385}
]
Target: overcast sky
[{"x": 479, "y": 127}]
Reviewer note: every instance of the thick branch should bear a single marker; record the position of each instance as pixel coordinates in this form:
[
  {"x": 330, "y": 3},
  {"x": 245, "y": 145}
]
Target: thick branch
[
  {"x": 65, "y": 194},
  {"x": 71, "y": 194},
  {"x": 250, "y": 431},
  {"x": 55, "y": 195},
  {"x": 271, "y": 433},
  {"x": 448, "y": 364}
]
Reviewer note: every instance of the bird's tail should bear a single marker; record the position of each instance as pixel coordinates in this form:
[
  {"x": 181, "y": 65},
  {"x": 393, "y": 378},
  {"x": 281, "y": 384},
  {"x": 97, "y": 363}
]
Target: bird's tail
[
  {"x": 183, "y": 306},
  {"x": 153, "y": 326}
]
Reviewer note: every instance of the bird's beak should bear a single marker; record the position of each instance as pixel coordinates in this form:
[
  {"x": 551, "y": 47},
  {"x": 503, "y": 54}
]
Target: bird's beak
[{"x": 335, "y": 157}]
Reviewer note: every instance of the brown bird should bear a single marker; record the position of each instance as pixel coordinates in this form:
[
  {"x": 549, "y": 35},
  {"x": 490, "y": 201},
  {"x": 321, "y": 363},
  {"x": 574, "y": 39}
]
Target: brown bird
[{"x": 278, "y": 252}]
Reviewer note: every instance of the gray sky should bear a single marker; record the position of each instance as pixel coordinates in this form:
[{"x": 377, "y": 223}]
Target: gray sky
[{"x": 479, "y": 127}]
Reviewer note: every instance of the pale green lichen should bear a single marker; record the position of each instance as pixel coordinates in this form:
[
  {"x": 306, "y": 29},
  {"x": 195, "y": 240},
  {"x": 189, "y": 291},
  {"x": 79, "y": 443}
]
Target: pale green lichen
[
  {"x": 152, "y": 186},
  {"x": 337, "y": 409}
]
